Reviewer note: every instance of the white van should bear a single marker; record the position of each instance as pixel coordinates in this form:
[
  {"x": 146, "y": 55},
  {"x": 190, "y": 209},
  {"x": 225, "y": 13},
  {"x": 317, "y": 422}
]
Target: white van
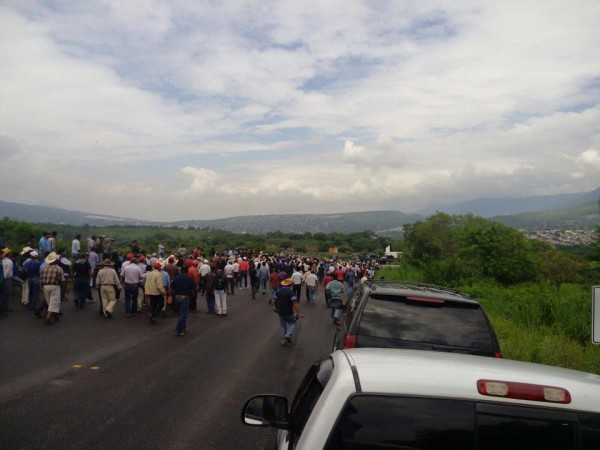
[{"x": 374, "y": 398}]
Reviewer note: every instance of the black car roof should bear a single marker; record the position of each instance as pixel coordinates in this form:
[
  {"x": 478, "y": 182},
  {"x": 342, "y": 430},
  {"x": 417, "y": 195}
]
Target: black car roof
[{"x": 407, "y": 288}]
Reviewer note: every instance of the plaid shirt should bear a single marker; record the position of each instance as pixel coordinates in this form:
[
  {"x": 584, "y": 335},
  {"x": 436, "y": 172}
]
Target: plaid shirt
[{"x": 51, "y": 274}]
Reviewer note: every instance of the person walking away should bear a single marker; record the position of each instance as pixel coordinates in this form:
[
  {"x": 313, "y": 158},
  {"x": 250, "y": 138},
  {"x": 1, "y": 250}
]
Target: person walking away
[
  {"x": 195, "y": 275},
  {"x": 209, "y": 290},
  {"x": 94, "y": 260},
  {"x": 254, "y": 282},
  {"x": 349, "y": 277},
  {"x": 52, "y": 242},
  {"x": 286, "y": 305},
  {"x": 6, "y": 275},
  {"x": 297, "y": 279},
  {"x": 155, "y": 290},
  {"x": 264, "y": 274},
  {"x": 43, "y": 245},
  {"x": 51, "y": 278},
  {"x": 182, "y": 289},
  {"x": 76, "y": 247},
  {"x": 82, "y": 273},
  {"x": 311, "y": 281},
  {"x": 23, "y": 258},
  {"x": 334, "y": 291},
  {"x": 274, "y": 283},
  {"x": 243, "y": 277},
  {"x": 132, "y": 277},
  {"x": 109, "y": 285},
  {"x": 67, "y": 266},
  {"x": 221, "y": 283},
  {"x": 32, "y": 270},
  {"x": 203, "y": 270},
  {"x": 228, "y": 270}
]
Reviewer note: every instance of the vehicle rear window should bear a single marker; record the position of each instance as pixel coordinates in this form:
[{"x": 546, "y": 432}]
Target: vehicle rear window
[
  {"x": 454, "y": 324},
  {"x": 395, "y": 422}
]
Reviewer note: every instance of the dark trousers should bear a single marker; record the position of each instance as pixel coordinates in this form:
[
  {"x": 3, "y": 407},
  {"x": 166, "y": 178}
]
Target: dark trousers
[
  {"x": 183, "y": 303},
  {"x": 297, "y": 288},
  {"x": 156, "y": 304},
  {"x": 210, "y": 301},
  {"x": 5, "y": 289},
  {"x": 34, "y": 293},
  {"x": 192, "y": 303},
  {"x": 131, "y": 292},
  {"x": 80, "y": 289}
]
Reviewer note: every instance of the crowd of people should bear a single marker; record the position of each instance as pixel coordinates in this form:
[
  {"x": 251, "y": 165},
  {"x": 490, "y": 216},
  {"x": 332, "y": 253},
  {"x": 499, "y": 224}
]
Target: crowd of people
[{"x": 156, "y": 282}]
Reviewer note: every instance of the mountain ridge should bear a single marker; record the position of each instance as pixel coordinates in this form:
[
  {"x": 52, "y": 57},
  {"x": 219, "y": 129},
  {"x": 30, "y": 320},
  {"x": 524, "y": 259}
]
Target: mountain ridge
[{"x": 574, "y": 210}]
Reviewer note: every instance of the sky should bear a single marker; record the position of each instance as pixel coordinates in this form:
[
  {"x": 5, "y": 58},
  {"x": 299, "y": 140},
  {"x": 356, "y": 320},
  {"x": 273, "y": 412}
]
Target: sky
[{"x": 189, "y": 109}]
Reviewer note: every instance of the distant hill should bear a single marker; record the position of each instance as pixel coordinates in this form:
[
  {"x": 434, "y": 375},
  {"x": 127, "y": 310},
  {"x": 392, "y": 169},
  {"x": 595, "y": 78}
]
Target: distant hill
[
  {"x": 46, "y": 214},
  {"x": 494, "y": 207},
  {"x": 585, "y": 216},
  {"x": 382, "y": 222},
  {"x": 577, "y": 210}
]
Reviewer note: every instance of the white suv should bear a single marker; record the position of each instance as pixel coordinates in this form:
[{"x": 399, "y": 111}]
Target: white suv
[{"x": 410, "y": 399}]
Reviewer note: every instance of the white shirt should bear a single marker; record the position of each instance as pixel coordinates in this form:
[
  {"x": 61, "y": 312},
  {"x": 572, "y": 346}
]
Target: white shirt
[
  {"x": 297, "y": 277},
  {"x": 204, "y": 269},
  {"x": 311, "y": 279},
  {"x": 7, "y": 266},
  {"x": 94, "y": 259},
  {"x": 75, "y": 246}
]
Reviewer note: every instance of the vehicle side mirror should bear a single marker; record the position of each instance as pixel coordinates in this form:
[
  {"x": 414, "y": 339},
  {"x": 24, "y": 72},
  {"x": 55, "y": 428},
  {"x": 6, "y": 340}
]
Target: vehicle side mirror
[{"x": 266, "y": 410}]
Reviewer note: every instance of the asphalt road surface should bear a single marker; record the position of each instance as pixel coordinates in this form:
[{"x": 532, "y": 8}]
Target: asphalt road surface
[{"x": 90, "y": 382}]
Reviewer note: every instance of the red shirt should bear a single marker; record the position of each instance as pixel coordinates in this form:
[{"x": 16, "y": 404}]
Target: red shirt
[
  {"x": 274, "y": 279},
  {"x": 193, "y": 272},
  {"x": 244, "y": 266},
  {"x": 339, "y": 274},
  {"x": 326, "y": 279}
]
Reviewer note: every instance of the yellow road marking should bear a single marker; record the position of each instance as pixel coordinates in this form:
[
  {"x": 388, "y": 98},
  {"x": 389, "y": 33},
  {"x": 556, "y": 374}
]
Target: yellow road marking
[
  {"x": 77, "y": 366},
  {"x": 94, "y": 368}
]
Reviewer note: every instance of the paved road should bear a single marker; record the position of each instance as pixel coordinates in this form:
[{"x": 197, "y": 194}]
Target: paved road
[{"x": 89, "y": 382}]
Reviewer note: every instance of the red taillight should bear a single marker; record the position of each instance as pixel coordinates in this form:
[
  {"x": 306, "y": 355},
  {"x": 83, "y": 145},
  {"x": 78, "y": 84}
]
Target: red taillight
[
  {"x": 426, "y": 300},
  {"x": 498, "y": 355},
  {"x": 350, "y": 341},
  {"x": 523, "y": 391}
]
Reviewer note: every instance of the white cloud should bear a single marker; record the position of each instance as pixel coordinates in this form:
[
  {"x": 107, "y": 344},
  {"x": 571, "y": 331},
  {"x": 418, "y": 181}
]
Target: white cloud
[
  {"x": 204, "y": 180},
  {"x": 590, "y": 157},
  {"x": 300, "y": 106}
]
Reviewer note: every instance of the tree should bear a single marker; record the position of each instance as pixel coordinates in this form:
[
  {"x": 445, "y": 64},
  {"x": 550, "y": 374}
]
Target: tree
[
  {"x": 454, "y": 249},
  {"x": 558, "y": 268}
]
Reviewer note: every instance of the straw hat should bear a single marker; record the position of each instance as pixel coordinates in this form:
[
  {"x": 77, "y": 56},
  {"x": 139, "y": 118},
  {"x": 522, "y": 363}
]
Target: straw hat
[
  {"x": 287, "y": 282},
  {"x": 51, "y": 257}
]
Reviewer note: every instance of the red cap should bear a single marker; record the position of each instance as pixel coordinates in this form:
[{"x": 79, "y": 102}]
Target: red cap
[
  {"x": 129, "y": 255},
  {"x": 157, "y": 265}
]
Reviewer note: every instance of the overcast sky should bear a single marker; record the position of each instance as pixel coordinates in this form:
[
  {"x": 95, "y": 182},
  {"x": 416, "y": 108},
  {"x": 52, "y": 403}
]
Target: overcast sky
[{"x": 173, "y": 110}]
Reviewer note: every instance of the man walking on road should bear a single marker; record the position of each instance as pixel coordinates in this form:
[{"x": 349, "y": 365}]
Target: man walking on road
[
  {"x": 132, "y": 279},
  {"x": 154, "y": 288},
  {"x": 333, "y": 292},
  {"x": 51, "y": 278},
  {"x": 182, "y": 289},
  {"x": 108, "y": 282},
  {"x": 221, "y": 284},
  {"x": 311, "y": 281},
  {"x": 287, "y": 308}
]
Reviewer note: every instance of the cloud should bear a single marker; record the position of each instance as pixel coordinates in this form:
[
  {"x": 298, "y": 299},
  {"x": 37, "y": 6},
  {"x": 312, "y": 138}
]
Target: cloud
[
  {"x": 204, "y": 180},
  {"x": 296, "y": 106},
  {"x": 590, "y": 157}
]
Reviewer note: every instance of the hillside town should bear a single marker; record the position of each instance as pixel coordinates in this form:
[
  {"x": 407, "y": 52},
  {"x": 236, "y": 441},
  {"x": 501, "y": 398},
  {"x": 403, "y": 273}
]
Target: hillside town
[{"x": 557, "y": 237}]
